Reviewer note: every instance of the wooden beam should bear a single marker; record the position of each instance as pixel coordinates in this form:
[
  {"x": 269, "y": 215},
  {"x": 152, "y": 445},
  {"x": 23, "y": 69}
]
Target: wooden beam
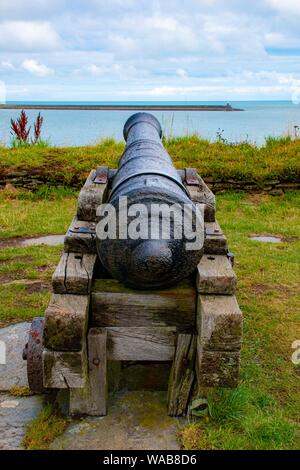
[
  {"x": 74, "y": 273},
  {"x": 182, "y": 375},
  {"x": 90, "y": 197},
  {"x": 92, "y": 398},
  {"x": 113, "y": 304},
  {"x": 63, "y": 369},
  {"x": 215, "y": 241},
  {"x": 81, "y": 237},
  {"x": 66, "y": 320},
  {"x": 219, "y": 322},
  {"x": 199, "y": 192},
  {"x": 141, "y": 343},
  {"x": 215, "y": 275},
  {"x": 218, "y": 368}
]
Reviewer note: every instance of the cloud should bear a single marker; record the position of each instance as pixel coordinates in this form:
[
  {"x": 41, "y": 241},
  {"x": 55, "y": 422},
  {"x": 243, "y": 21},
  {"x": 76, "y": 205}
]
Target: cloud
[
  {"x": 116, "y": 49},
  {"x": 181, "y": 73},
  {"x": 290, "y": 7},
  {"x": 28, "y": 36},
  {"x": 35, "y": 68},
  {"x": 6, "y": 65}
]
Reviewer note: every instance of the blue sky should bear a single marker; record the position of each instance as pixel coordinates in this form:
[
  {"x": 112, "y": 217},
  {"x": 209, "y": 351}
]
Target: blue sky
[{"x": 149, "y": 50}]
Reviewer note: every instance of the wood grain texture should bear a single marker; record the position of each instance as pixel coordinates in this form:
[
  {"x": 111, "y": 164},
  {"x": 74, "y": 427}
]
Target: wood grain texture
[
  {"x": 92, "y": 398},
  {"x": 74, "y": 274},
  {"x": 113, "y": 304},
  {"x": 141, "y": 343},
  {"x": 66, "y": 320},
  {"x": 220, "y": 322},
  {"x": 215, "y": 241},
  {"x": 200, "y": 193},
  {"x": 218, "y": 368},
  {"x": 77, "y": 242},
  {"x": 90, "y": 197},
  {"x": 182, "y": 375},
  {"x": 215, "y": 275},
  {"x": 63, "y": 369}
]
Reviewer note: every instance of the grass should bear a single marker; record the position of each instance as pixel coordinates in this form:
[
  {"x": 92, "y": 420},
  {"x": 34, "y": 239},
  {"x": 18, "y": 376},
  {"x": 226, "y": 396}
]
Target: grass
[
  {"x": 278, "y": 159},
  {"x": 263, "y": 412},
  {"x": 44, "y": 429}
]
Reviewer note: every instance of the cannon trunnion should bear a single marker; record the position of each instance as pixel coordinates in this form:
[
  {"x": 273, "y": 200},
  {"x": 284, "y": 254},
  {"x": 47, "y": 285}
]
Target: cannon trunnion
[{"x": 135, "y": 301}]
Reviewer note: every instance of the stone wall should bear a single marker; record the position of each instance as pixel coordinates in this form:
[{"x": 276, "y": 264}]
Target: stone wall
[{"x": 21, "y": 179}]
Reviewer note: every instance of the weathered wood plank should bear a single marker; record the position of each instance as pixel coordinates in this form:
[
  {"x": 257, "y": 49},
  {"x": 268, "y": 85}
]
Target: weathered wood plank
[
  {"x": 218, "y": 368},
  {"x": 92, "y": 398},
  {"x": 219, "y": 322},
  {"x": 63, "y": 369},
  {"x": 182, "y": 375},
  {"x": 215, "y": 241},
  {"x": 199, "y": 192},
  {"x": 141, "y": 343},
  {"x": 81, "y": 237},
  {"x": 66, "y": 320},
  {"x": 215, "y": 275},
  {"x": 113, "y": 304},
  {"x": 90, "y": 197},
  {"x": 74, "y": 273}
]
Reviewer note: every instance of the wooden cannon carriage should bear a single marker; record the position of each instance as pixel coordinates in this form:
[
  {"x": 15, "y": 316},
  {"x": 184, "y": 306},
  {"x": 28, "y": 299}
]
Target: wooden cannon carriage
[{"x": 93, "y": 319}]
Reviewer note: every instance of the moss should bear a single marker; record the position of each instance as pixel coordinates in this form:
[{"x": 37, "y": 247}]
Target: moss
[
  {"x": 17, "y": 391},
  {"x": 44, "y": 429}
]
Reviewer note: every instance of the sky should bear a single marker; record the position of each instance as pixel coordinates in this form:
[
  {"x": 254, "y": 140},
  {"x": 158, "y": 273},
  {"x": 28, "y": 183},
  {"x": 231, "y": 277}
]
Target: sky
[{"x": 116, "y": 50}]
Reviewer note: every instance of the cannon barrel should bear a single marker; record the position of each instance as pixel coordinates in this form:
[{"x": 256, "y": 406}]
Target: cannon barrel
[{"x": 147, "y": 179}]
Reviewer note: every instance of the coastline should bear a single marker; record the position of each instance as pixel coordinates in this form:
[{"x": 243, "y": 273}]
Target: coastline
[{"x": 116, "y": 107}]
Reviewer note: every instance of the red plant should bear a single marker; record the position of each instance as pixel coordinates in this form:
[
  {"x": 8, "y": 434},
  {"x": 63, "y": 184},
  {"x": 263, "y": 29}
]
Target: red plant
[
  {"x": 21, "y": 133},
  {"x": 38, "y": 128},
  {"x": 19, "y": 127}
]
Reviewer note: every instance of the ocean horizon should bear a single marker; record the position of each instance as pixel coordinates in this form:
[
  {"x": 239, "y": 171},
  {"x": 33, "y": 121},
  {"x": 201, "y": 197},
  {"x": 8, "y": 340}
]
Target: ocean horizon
[{"x": 258, "y": 120}]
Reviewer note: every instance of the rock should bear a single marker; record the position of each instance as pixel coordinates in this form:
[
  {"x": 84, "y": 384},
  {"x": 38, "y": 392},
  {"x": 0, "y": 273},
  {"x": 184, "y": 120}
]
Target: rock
[
  {"x": 13, "y": 372},
  {"x": 135, "y": 421},
  {"x": 15, "y": 415}
]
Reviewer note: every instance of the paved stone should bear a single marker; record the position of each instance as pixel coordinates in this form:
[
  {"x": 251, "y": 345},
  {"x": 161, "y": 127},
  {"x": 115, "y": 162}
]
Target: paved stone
[
  {"x": 135, "y": 421},
  {"x": 15, "y": 414},
  {"x": 13, "y": 371}
]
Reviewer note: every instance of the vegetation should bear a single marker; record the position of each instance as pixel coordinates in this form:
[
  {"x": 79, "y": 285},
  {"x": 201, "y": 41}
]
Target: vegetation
[
  {"x": 44, "y": 429},
  {"x": 262, "y": 413},
  {"x": 21, "y": 132},
  {"x": 278, "y": 159}
]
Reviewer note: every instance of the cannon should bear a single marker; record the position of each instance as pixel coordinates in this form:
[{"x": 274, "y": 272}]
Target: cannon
[
  {"x": 139, "y": 299},
  {"x": 147, "y": 178}
]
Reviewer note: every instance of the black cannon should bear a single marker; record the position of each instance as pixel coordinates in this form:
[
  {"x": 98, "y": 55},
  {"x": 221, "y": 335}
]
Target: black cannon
[{"x": 146, "y": 176}]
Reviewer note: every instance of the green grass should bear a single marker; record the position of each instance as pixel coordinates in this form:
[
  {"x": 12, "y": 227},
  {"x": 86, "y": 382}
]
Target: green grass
[
  {"x": 263, "y": 412},
  {"x": 44, "y": 429},
  {"x": 278, "y": 159}
]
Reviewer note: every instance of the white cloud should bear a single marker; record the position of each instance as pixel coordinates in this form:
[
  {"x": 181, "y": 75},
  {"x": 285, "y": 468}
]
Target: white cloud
[
  {"x": 6, "y": 65},
  {"x": 28, "y": 35},
  {"x": 35, "y": 68},
  {"x": 291, "y": 7},
  {"x": 181, "y": 73}
]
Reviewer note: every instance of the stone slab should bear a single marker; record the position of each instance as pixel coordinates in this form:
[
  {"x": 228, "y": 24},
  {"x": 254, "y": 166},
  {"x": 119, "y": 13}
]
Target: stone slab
[
  {"x": 15, "y": 415},
  {"x": 135, "y": 421},
  {"x": 14, "y": 371}
]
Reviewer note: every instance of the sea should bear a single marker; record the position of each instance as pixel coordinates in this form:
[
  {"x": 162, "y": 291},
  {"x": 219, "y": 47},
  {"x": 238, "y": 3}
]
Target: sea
[{"x": 258, "y": 120}]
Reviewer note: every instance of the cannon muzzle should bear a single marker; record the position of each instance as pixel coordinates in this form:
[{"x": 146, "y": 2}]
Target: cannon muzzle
[{"x": 150, "y": 234}]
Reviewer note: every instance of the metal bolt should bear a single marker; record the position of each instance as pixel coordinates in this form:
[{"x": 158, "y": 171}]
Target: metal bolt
[{"x": 96, "y": 361}]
